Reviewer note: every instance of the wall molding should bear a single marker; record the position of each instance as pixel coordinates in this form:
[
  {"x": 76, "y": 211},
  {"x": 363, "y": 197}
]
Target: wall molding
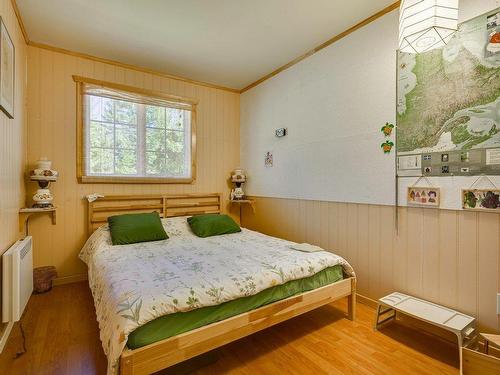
[
  {"x": 20, "y": 21},
  {"x": 359, "y": 203},
  {"x": 70, "y": 279},
  {"x": 329, "y": 42},
  {"x": 5, "y": 335},
  {"x": 367, "y": 301}
]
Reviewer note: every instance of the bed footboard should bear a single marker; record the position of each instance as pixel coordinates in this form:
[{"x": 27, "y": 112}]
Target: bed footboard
[{"x": 168, "y": 352}]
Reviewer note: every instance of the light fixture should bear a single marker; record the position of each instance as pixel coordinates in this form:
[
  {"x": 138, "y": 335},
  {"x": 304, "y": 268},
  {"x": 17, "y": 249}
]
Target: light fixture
[
  {"x": 238, "y": 178},
  {"x": 43, "y": 174},
  {"x": 426, "y": 24}
]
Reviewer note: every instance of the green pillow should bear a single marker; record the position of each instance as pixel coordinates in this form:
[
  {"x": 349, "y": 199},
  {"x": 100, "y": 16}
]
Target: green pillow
[
  {"x": 212, "y": 225},
  {"x": 133, "y": 228}
]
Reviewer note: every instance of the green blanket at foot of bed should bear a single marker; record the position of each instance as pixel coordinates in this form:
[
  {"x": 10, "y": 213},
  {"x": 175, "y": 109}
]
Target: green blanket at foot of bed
[{"x": 174, "y": 324}]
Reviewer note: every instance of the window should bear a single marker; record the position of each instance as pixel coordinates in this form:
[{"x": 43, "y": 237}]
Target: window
[{"x": 132, "y": 135}]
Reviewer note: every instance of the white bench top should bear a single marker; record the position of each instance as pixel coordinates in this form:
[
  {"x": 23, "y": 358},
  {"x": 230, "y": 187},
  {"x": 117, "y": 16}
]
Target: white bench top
[{"x": 430, "y": 312}]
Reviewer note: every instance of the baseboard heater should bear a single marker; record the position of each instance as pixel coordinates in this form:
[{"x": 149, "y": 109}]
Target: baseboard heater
[{"x": 17, "y": 279}]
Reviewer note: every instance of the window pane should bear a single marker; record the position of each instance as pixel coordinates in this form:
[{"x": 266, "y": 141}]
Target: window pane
[
  {"x": 101, "y": 109},
  {"x": 101, "y": 161},
  {"x": 101, "y": 135},
  {"x": 133, "y": 139},
  {"x": 155, "y": 116},
  {"x": 175, "y": 118},
  {"x": 126, "y": 162},
  {"x": 108, "y": 109},
  {"x": 175, "y": 163},
  {"x": 175, "y": 140},
  {"x": 175, "y": 153},
  {"x": 125, "y": 112},
  {"x": 155, "y": 163},
  {"x": 126, "y": 137},
  {"x": 155, "y": 140},
  {"x": 95, "y": 108}
]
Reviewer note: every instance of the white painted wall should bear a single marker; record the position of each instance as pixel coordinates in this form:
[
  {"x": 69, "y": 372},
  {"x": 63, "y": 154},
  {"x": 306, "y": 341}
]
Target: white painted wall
[{"x": 334, "y": 104}]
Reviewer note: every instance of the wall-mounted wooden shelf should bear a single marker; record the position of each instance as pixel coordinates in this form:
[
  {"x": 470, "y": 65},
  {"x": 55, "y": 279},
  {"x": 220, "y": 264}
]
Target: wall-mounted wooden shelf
[
  {"x": 251, "y": 202},
  {"x": 239, "y": 202},
  {"x": 25, "y": 213}
]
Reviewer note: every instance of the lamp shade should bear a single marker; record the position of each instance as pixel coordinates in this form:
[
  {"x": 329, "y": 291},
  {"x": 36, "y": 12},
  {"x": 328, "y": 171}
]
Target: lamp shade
[
  {"x": 238, "y": 176},
  {"x": 426, "y": 24},
  {"x": 43, "y": 171}
]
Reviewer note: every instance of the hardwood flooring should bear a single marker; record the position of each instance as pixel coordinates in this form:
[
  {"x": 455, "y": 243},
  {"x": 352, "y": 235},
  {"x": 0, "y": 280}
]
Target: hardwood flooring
[{"x": 62, "y": 337}]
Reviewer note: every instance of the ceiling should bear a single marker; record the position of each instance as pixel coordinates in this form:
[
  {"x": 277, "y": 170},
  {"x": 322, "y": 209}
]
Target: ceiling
[{"x": 231, "y": 43}]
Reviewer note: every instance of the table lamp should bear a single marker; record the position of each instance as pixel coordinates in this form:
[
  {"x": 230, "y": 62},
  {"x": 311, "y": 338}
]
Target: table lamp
[
  {"x": 238, "y": 178},
  {"x": 43, "y": 174}
]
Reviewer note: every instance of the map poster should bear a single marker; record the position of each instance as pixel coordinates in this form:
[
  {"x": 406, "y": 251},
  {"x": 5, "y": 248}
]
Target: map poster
[
  {"x": 493, "y": 34},
  {"x": 449, "y": 98}
]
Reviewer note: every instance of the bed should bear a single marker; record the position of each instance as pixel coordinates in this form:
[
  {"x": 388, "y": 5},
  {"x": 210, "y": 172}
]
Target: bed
[{"x": 163, "y": 302}]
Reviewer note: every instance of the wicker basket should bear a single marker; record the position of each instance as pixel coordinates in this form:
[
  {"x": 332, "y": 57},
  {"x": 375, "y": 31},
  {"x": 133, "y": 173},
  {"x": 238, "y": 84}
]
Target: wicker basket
[{"x": 42, "y": 278}]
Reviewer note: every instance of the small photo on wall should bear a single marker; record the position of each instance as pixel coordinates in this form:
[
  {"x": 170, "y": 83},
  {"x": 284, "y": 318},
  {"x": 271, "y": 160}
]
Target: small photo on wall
[
  {"x": 268, "y": 159},
  {"x": 481, "y": 199},
  {"x": 423, "y": 197}
]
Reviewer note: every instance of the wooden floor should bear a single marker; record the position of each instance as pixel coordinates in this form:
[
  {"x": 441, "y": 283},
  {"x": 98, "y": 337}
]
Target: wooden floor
[{"x": 62, "y": 338}]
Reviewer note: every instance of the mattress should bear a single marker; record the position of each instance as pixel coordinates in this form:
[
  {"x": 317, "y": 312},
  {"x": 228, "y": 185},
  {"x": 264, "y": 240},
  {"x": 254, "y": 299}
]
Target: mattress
[{"x": 174, "y": 324}]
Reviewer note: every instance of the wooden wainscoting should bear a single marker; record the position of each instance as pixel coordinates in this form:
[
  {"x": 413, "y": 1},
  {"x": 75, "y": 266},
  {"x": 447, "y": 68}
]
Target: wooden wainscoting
[
  {"x": 446, "y": 256},
  {"x": 52, "y": 133},
  {"x": 13, "y": 137}
]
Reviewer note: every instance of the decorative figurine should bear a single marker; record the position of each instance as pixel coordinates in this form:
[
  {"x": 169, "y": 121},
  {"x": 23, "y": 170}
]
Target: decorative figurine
[
  {"x": 238, "y": 178},
  {"x": 387, "y": 129},
  {"x": 43, "y": 174},
  {"x": 387, "y": 146}
]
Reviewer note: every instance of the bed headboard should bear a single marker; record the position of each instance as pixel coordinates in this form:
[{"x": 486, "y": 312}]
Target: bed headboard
[{"x": 166, "y": 205}]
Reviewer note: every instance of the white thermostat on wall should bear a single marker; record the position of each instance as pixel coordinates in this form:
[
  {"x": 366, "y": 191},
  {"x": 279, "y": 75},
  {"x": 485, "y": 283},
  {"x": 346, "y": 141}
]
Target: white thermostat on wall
[{"x": 281, "y": 132}]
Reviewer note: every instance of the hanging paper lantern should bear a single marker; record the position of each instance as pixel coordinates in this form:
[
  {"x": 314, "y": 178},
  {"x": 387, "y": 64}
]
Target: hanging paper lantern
[{"x": 426, "y": 24}]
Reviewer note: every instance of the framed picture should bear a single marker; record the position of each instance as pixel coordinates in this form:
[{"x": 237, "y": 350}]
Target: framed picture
[
  {"x": 481, "y": 199},
  {"x": 268, "y": 159},
  {"x": 423, "y": 196},
  {"x": 7, "y": 66}
]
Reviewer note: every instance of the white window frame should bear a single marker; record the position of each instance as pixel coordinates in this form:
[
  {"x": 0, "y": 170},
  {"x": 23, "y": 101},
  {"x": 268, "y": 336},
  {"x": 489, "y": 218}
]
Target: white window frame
[{"x": 82, "y": 137}]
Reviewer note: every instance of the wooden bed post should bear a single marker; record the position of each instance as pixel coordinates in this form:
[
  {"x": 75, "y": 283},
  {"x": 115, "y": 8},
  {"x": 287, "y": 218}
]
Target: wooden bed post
[
  {"x": 351, "y": 301},
  {"x": 126, "y": 363}
]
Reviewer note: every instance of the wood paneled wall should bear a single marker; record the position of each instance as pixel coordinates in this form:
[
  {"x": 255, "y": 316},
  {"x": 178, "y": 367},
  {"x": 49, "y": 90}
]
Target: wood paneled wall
[
  {"x": 449, "y": 257},
  {"x": 52, "y": 133},
  {"x": 12, "y": 141}
]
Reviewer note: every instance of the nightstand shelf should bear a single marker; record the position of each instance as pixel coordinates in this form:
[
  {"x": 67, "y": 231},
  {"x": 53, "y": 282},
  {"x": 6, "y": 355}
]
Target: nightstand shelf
[
  {"x": 25, "y": 213},
  {"x": 251, "y": 202},
  {"x": 239, "y": 202}
]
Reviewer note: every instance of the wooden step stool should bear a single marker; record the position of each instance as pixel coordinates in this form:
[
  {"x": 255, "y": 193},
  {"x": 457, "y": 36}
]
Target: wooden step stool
[{"x": 463, "y": 326}]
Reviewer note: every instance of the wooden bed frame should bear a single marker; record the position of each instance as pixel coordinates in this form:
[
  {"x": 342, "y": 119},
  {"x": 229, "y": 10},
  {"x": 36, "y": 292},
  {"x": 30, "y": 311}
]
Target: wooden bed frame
[{"x": 176, "y": 349}]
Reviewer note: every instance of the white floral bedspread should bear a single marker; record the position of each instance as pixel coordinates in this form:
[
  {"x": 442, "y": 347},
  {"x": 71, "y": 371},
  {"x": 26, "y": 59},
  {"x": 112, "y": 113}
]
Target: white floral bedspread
[{"x": 134, "y": 284}]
